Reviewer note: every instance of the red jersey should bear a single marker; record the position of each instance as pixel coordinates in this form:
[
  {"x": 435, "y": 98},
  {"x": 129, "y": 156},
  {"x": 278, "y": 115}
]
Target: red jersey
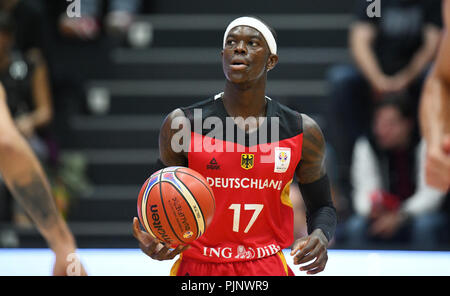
[{"x": 250, "y": 180}]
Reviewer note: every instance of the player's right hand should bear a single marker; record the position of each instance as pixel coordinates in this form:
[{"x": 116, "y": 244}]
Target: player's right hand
[{"x": 153, "y": 247}]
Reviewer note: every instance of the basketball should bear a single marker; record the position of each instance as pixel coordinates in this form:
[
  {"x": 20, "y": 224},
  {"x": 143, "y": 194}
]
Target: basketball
[{"x": 176, "y": 205}]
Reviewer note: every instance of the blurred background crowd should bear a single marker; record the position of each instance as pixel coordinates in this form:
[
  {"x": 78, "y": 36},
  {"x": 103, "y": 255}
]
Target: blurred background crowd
[{"x": 89, "y": 83}]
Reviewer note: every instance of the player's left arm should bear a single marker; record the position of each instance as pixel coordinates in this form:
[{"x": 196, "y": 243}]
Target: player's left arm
[{"x": 315, "y": 188}]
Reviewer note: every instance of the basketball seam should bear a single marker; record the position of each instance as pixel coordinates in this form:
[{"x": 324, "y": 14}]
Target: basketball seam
[
  {"x": 210, "y": 193},
  {"x": 214, "y": 202},
  {"x": 164, "y": 207},
  {"x": 144, "y": 202},
  {"x": 197, "y": 221},
  {"x": 187, "y": 203},
  {"x": 193, "y": 213}
]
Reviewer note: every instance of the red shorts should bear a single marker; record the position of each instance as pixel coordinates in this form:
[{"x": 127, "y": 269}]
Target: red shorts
[{"x": 274, "y": 265}]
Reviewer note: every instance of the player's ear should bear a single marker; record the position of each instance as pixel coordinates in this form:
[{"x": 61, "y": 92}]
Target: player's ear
[
  {"x": 272, "y": 61},
  {"x": 221, "y": 52}
]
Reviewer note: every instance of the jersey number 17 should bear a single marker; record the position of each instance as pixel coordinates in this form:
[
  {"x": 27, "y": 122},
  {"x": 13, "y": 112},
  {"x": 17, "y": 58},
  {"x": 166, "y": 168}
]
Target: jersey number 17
[{"x": 257, "y": 208}]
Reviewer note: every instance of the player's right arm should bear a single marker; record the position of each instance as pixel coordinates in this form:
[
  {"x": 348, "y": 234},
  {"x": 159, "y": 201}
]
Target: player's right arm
[
  {"x": 169, "y": 155},
  {"x": 435, "y": 114},
  {"x": 25, "y": 179}
]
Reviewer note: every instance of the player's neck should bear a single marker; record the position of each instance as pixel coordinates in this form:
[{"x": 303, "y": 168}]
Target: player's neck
[{"x": 245, "y": 102}]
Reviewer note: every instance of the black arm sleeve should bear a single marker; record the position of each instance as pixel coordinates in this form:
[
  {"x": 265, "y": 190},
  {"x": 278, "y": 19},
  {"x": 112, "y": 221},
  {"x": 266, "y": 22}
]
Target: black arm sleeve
[{"x": 320, "y": 211}]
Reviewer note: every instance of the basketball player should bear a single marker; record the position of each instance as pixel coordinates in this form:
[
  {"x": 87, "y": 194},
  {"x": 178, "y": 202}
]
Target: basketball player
[
  {"x": 435, "y": 113},
  {"x": 253, "y": 220},
  {"x": 25, "y": 178}
]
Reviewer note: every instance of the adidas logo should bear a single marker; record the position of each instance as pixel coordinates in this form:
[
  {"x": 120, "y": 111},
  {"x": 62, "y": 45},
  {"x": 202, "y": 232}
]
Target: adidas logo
[{"x": 213, "y": 165}]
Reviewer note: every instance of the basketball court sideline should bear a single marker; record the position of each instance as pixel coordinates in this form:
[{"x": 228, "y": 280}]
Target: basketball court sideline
[{"x": 132, "y": 262}]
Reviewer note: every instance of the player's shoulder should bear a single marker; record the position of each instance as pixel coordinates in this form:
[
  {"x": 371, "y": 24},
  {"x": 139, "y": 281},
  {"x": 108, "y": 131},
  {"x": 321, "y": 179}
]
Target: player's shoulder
[
  {"x": 308, "y": 122},
  {"x": 312, "y": 132}
]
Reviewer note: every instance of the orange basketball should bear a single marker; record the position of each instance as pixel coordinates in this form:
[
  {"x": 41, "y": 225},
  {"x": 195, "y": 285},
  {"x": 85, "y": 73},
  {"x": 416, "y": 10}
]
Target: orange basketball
[{"x": 176, "y": 205}]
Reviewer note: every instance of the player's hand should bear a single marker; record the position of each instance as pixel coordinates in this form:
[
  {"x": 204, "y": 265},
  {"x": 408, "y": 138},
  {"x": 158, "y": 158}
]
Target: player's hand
[
  {"x": 311, "y": 247},
  {"x": 153, "y": 247},
  {"x": 437, "y": 166}
]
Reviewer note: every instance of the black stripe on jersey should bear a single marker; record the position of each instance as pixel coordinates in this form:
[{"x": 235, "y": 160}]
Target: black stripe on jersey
[
  {"x": 290, "y": 121},
  {"x": 165, "y": 211}
]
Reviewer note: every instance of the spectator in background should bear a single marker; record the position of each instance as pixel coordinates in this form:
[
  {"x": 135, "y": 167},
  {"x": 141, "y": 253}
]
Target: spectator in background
[
  {"x": 30, "y": 43},
  {"x": 28, "y": 17},
  {"x": 392, "y": 53},
  {"x": 391, "y": 199},
  {"x": 26, "y": 82},
  {"x": 119, "y": 17}
]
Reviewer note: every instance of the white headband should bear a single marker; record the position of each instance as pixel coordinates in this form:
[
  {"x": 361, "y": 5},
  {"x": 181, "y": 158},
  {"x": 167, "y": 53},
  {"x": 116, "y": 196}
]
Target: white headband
[{"x": 255, "y": 24}]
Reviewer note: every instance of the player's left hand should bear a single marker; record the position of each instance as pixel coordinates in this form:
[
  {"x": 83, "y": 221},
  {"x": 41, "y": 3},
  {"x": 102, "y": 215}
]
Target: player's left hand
[{"x": 311, "y": 247}]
